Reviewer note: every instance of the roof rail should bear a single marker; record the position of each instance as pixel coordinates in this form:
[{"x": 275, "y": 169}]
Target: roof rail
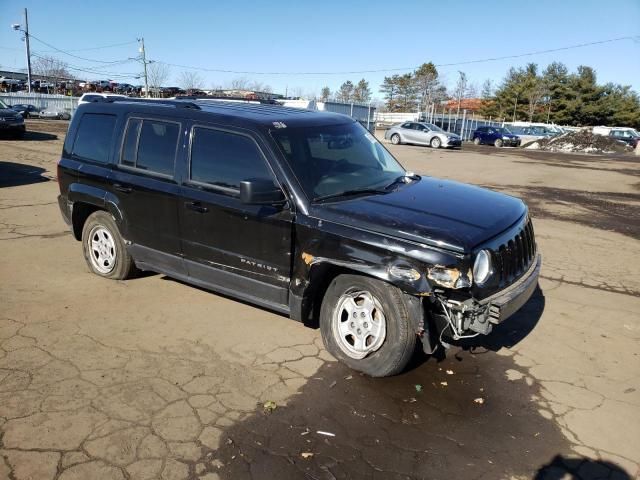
[
  {"x": 161, "y": 101},
  {"x": 228, "y": 99}
]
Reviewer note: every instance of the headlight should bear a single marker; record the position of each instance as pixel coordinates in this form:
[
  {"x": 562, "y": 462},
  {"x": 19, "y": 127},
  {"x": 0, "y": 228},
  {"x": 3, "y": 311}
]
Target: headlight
[
  {"x": 482, "y": 267},
  {"x": 505, "y": 138},
  {"x": 404, "y": 273},
  {"x": 449, "y": 277}
]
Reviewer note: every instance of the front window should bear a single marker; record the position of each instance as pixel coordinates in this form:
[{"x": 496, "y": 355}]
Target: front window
[
  {"x": 332, "y": 160},
  {"x": 3, "y": 105},
  {"x": 433, "y": 128},
  {"x": 502, "y": 131}
]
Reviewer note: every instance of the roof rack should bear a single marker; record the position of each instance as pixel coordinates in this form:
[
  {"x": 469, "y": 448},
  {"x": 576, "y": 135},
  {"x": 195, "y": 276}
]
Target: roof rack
[
  {"x": 228, "y": 99},
  {"x": 175, "y": 103}
]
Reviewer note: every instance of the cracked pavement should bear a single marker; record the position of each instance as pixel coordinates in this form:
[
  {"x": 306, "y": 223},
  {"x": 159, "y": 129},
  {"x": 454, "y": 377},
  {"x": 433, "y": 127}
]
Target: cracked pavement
[{"x": 154, "y": 379}]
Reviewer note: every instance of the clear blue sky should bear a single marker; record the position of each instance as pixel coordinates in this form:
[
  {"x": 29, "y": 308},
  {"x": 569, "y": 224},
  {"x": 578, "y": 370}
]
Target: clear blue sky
[{"x": 330, "y": 36}]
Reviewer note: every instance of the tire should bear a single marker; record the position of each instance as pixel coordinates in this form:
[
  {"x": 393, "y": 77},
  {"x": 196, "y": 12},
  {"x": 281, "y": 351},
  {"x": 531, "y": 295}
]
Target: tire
[
  {"x": 476, "y": 141},
  {"x": 107, "y": 257},
  {"x": 435, "y": 142},
  {"x": 395, "y": 139},
  {"x": 498, "y": 143},
  {"x": 391, "y": 350}
]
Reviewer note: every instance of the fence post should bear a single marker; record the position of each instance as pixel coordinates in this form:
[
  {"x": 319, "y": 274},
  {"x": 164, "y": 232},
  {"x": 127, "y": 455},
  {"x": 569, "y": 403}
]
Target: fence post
[{"x": 464, "y": 116}]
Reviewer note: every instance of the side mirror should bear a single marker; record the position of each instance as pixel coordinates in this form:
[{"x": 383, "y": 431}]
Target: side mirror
[{"x": 260, "y": 192}]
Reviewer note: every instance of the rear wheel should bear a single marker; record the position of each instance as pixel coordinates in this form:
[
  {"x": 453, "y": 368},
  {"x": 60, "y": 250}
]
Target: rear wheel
[
  {"x": 104, "y": 248},
  {"x": 436, "y": 142},
  {"x": 476, "y": 141},
  {"x": 498, "y": 143},
  {"x": 395, "y": 139},
  {"x": 365, "y": 324}
]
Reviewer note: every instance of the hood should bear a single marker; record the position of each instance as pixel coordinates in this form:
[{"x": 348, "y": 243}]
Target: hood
[
  {"x": 8, "y": 112},
  {"x": 443, "y": 213}
]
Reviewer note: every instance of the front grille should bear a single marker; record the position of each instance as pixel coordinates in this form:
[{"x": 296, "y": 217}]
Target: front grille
[{"x": 514, "y": 257}]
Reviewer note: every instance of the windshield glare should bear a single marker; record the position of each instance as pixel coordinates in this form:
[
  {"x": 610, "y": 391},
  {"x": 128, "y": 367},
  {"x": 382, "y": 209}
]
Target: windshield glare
[
  {"x": 3, "y": 105},
  {"x": 330, "y": 160}
]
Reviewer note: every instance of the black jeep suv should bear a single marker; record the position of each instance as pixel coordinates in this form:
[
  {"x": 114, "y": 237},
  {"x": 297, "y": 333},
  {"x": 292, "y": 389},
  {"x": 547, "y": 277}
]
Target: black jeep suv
[{"x": 301, "y": 212}]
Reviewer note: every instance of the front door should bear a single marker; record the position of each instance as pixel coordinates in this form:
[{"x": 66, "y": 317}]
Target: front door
[{"x": 235, "y": 248}]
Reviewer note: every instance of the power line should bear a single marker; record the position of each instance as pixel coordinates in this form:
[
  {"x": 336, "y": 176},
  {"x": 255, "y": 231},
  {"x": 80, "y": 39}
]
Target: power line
[
  {"x": 100, "y": 47},
  {"x": 72, "y": 55},
  {"x": 94, "y": 71},
  {"x": 398, "y": 69}
]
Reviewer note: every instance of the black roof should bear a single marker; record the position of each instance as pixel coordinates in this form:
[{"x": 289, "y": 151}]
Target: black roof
[{"x": 255, "y": 113}]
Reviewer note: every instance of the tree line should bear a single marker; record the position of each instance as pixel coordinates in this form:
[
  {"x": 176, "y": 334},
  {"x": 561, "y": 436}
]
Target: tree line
[{"x": 558, "y": 96}]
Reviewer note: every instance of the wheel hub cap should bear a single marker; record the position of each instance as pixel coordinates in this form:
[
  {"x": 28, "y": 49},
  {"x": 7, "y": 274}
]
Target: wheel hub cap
[
  {"x": 359, "y": 324},
  {"x": 102, "y": 249}
]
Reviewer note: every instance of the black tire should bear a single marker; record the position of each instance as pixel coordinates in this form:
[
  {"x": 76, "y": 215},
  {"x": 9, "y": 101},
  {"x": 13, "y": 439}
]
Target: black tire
[
  {"x": 395, "y": 139},
  {"x": 396, "y": 351},
  {"x": 498, "y": 143},
  {"x": 435, "y": 142},
  {"x": 476, "y": 141},
  {"x": 124, "y": 266}
]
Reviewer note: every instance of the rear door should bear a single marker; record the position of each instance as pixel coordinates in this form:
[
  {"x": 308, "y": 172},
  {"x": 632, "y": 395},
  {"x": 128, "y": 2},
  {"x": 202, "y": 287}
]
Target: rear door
[
  {"x": 241, "y": 249},
  {"x": 145, "y": 184}
]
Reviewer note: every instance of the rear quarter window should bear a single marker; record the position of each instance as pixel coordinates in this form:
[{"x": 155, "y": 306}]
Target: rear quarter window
[{"x": 94, "y": 137}]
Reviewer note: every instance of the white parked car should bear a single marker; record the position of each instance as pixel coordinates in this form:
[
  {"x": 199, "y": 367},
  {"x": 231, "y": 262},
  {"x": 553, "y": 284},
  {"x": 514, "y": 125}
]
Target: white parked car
[
  {"x": 420, "y": 133},
  {"x": 88, "y": 97}
]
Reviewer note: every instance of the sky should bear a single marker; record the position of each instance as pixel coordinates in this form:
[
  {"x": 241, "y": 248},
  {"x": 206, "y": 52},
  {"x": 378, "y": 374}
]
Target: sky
[{"x": 328, "y": 38}]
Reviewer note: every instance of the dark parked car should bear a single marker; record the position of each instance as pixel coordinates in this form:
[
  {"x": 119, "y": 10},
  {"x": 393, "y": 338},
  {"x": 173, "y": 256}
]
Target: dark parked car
[
  {"x": 498, "y": 136},
  {"x": 11, "y": 121},
  {"x": 25, "y": 110},
  {"x": 301, "y": 212},
  {"x": 626, "y": 135}
]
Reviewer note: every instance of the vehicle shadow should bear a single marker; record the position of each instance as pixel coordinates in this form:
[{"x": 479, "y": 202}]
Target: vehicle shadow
[
  {"x": 458, "y": 417},
  {"x": 39, "y": 136},
  {"x": 18, "y": 174},
  {"x": 29, "y": 136},
  {"x": 568, "y": 468}
]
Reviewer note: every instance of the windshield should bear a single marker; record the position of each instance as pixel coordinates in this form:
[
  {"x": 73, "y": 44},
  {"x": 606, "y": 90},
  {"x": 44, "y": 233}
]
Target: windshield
[
  {"x": 335, "y": 159},
  {"x": 3, "y": 105},
  {"x": 502, "y": 130}
]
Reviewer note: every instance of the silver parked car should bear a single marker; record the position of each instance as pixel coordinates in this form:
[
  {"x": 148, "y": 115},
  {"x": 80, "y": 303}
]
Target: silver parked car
[{"x": 421, "y": 133}]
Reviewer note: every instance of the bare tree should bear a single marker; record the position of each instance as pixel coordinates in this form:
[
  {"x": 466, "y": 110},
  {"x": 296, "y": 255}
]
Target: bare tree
[
  {"x": 157, "y": 75},
  {"x": 50, "y": 68},
  {"x": 240, "y": 83},
  {"x": 461, "y": 90},
  {"x": 190, "y": 81}
]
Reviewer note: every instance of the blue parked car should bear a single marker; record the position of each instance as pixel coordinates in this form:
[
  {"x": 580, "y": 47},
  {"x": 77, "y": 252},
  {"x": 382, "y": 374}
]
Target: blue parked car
[{"x": 498, "y": 136}]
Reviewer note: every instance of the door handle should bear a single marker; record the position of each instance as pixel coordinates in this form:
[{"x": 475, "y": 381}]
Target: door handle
[
  {"x": 196, "y": 207},
  {"x": 122, "y": 188}
]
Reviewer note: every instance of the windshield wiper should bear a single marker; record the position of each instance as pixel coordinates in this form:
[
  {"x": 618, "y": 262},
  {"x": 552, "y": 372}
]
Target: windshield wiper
[{"x": 350, "y": 193}]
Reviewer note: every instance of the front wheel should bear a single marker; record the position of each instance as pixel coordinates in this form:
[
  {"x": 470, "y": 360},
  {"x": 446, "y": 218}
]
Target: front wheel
[
  {"x": 104, "y": 248},
  {"x": 476, "y": 141},
  {"x": 395, "y": 139},
  {"x": 365, "y": 324},
  {"x": 498, "y": 143},
  {"x": 436, "y": 142}
]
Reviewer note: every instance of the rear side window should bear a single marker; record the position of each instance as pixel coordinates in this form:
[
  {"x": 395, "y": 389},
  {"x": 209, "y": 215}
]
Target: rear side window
[
  {"x": 93, "y": 140},
  {"x": 150, "y": 145},
  {"x": 224, "y": 159}
]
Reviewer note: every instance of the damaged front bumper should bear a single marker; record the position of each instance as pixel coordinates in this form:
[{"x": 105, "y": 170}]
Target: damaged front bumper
[{"x": 471, "y": 317}]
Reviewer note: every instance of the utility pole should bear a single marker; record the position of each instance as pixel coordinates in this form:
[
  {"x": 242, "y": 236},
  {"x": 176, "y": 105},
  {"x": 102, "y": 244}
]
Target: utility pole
[
  {"x": 26, "y": 40},
  {"x": 144, "y": 62}
]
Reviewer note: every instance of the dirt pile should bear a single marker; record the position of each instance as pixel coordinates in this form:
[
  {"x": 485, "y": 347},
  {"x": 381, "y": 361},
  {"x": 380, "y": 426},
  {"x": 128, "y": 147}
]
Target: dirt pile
[{"x": 582, "y": 141}]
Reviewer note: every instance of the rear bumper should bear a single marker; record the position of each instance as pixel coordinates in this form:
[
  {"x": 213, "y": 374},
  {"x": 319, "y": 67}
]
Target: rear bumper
[{"x": 65, "y": 209}]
